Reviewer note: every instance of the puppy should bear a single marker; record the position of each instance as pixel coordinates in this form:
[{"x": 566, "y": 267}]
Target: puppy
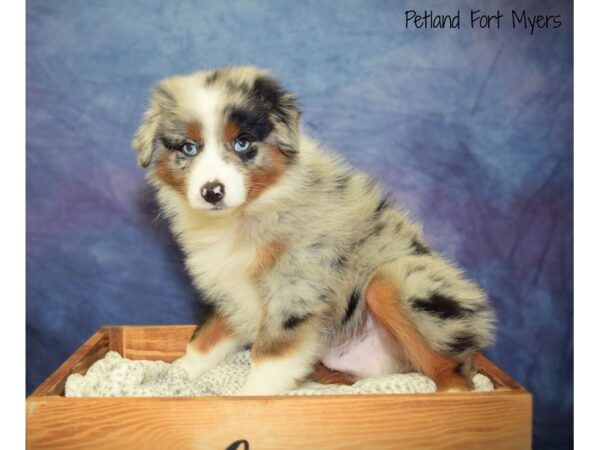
[{"x": 301, "y": 257}]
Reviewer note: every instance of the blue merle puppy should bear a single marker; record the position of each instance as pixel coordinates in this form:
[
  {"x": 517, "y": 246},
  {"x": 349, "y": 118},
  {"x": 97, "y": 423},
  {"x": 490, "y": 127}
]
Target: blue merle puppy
[{"x": 301, "y": 257}]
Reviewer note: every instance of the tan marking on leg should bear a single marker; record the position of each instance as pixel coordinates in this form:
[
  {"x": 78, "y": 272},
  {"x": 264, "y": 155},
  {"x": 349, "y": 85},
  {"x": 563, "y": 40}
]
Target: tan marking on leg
[
  {"x": 168, "y": 174},
  {"x": 215, "y": 330},
  {"x": 263, "y": 178},
  {"x": 382, "y": 301},
  {"x": 264, "y": 349},
  {"x": 453, "y": 379},
  {"x": 194, "y": 131},
  {"x": 323, "y": 374},
  {"x": 266, "y": 258}
]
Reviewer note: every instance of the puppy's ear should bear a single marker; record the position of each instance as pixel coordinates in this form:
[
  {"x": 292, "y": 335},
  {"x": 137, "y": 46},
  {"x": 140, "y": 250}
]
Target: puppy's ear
[
  {"x": 145, "y": 136},
  {"x": 288, "y": 133},
  {"x": 283, "y": 110}
]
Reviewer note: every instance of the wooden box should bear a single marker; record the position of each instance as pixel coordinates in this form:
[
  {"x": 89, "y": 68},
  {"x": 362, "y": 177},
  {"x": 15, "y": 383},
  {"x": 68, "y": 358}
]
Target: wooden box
[{"x": 459, "y": 420}]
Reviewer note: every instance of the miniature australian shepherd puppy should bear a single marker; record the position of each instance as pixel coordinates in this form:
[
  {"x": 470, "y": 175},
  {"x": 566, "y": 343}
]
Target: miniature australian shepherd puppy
[{"x": 299, "y": 256}]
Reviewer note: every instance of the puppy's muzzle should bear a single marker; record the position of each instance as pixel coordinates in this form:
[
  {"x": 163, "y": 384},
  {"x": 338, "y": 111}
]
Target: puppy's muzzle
[{"x": 213, "y": 192}]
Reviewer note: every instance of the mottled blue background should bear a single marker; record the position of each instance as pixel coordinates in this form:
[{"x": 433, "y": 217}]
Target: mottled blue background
[{"x": 470, "y": 129}]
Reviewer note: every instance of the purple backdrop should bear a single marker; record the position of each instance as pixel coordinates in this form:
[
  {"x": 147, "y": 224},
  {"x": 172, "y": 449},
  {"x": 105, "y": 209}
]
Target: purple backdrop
[{"x": 470, "y": 129}]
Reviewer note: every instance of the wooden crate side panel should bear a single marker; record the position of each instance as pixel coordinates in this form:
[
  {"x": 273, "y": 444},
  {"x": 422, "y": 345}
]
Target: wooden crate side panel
[
  {"x": 92, "y": 350},
  {"x": 165, "y": 343},
  {"x": 501, "y": 380},
  {"x": 423, "y": 421}
]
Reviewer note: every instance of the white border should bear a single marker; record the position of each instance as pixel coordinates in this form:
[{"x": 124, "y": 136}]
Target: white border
[
  {"x": 12, "y": 199},
  {"x": 587, "y": 222}
]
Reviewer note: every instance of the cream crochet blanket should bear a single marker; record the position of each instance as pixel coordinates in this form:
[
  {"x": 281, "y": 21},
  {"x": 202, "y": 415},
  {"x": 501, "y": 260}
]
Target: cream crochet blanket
[{"x": 115, "y": 376}]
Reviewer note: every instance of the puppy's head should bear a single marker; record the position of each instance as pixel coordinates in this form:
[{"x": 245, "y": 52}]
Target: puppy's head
[{"x": 219, "y": 138}]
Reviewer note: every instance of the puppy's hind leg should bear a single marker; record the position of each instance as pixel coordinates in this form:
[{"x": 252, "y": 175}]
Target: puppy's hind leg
[
  {"x": 324, "y": 375},
  {"x": 212, "y": 342},
  {"x": 385, "y": 302}
]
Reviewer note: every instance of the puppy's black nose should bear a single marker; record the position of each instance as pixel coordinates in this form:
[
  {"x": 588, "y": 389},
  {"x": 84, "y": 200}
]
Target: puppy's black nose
[{"x": 213, "y": 192}]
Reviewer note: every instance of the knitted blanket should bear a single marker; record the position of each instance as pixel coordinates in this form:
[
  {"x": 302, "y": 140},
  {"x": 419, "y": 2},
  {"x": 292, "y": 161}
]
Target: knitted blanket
[{"x": 115, "y": 376}]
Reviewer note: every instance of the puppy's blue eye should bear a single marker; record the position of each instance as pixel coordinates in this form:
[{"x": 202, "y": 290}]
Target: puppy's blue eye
[
  {"x": 189, "y": 149},
  {"x": 241, "y": 145}
]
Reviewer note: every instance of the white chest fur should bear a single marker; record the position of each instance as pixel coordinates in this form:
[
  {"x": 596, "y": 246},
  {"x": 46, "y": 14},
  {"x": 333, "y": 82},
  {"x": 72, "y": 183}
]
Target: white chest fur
[{"x": 219, "y": 261}]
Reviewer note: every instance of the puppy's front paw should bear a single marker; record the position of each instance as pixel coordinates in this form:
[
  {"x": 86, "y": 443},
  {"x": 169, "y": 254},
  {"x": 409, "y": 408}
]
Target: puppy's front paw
[{"x": 191, "y": 364}]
